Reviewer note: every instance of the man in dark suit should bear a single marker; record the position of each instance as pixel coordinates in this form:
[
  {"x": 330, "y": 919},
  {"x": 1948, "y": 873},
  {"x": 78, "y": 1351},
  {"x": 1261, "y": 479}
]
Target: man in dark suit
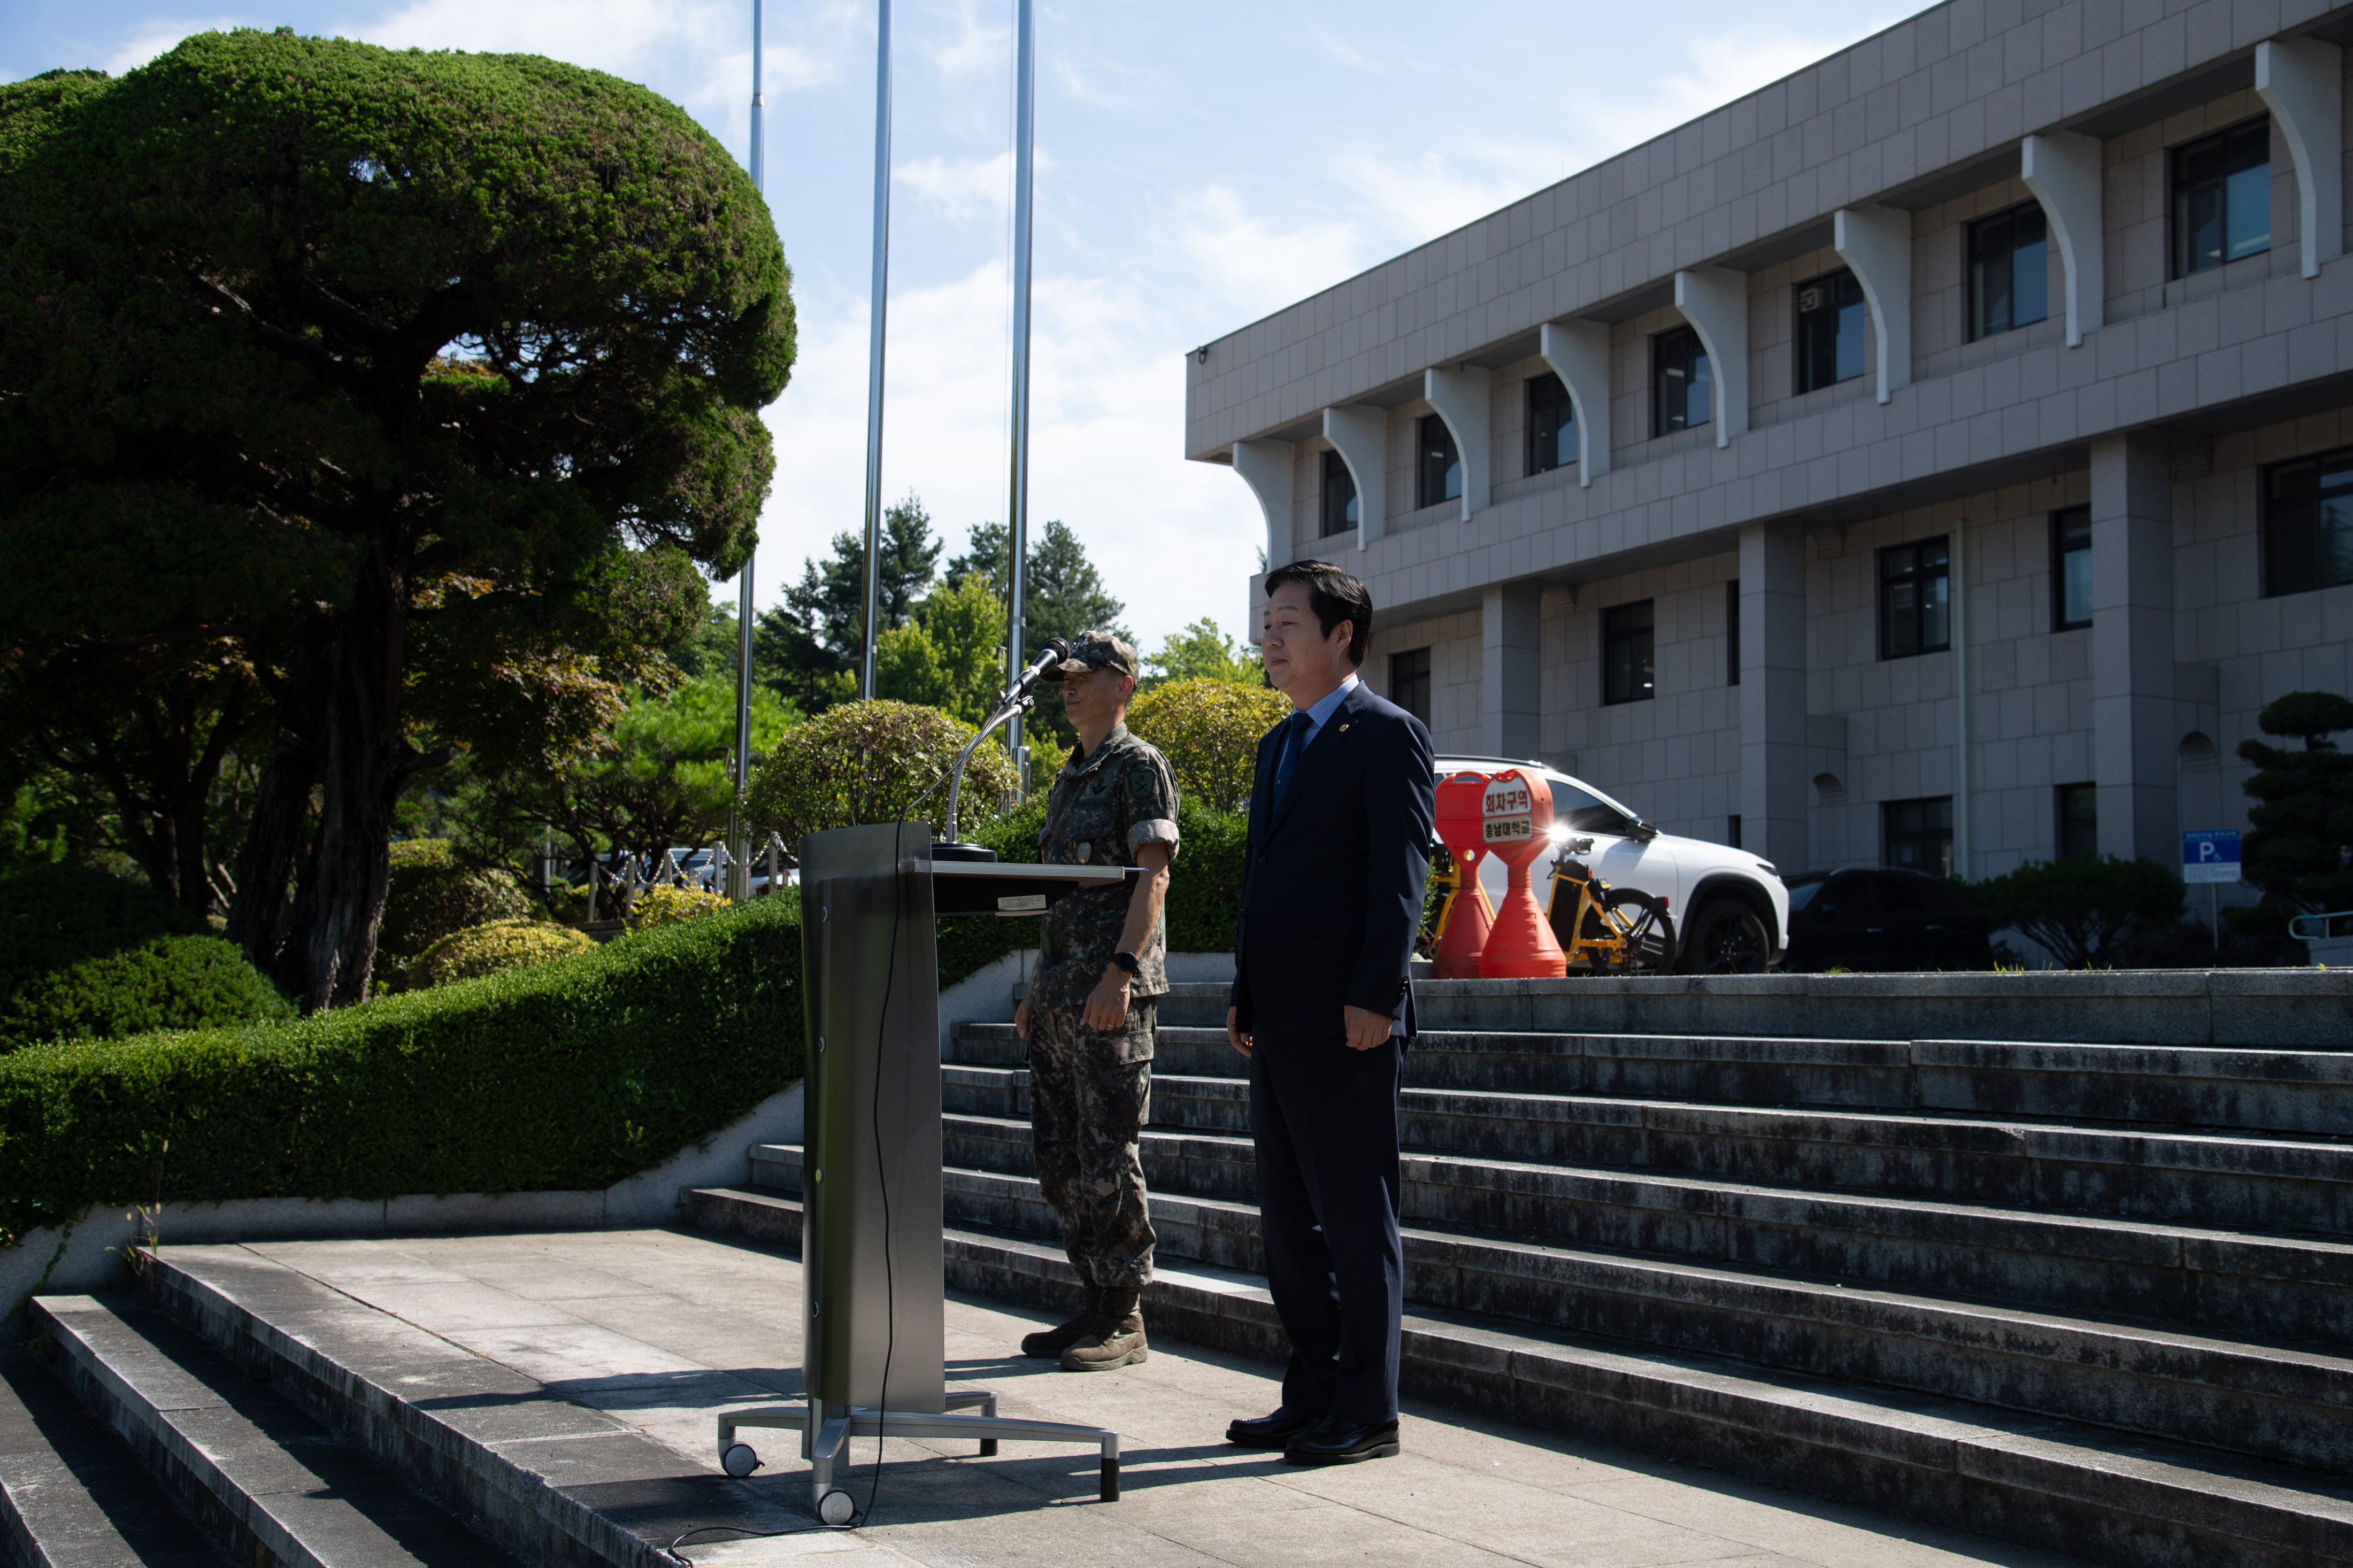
[{"x": 1340, "y": 823}]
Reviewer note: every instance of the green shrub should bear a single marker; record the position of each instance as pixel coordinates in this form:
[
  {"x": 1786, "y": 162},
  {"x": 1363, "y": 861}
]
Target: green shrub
[
  {"x": 1210, "y": 731},
  {"x": 54, "y": 915},
  {"x": 432, "y": 896},
  {"x": 165, "y": 983},
  {"x": 2085, "y": 912},
  {"x": 867, "y": 761},
  {"x": 668, "y": 906},
  {"x": 567, "y": 1075},
  {"x": 494, "y": 949}
]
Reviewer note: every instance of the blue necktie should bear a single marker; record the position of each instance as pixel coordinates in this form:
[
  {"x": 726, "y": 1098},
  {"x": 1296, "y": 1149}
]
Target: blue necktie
[{"x": 1292, "y": 740}]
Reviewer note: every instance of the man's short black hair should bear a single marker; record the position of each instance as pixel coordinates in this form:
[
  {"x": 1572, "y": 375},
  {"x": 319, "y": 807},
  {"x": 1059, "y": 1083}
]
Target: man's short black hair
[{"x": 1335, "y": 596}]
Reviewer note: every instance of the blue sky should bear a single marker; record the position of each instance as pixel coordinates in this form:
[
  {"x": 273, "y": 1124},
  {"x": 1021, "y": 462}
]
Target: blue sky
[{"x": 1199, "y": 166}]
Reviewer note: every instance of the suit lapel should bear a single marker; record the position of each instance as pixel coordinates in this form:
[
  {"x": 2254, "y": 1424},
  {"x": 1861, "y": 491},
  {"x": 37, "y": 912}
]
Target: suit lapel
[{"x": 1327, "y": 741}]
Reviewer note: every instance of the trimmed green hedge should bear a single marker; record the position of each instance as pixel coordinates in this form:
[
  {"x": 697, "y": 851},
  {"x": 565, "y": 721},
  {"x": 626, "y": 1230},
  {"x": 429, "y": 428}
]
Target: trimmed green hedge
[
  {"x": 1204, "y": 889},
  {"x": 567, "y": 1075}
]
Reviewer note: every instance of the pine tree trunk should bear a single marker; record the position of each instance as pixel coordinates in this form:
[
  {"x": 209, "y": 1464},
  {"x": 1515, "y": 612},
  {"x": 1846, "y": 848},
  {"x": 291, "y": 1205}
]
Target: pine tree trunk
[
  {"x": 363, "y": 759},
  {"x": 282, "y": 804}
]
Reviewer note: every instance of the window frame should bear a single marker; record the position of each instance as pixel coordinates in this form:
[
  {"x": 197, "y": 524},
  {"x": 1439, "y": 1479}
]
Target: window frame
[
  {"x": 1660, "y": 362},
  {"x": 2282, "y": 577},
  {"x": 1974, "y": 254},
  {"x": 1404, "y": 680},
  {"x": 1427, "y": 432},
  {"x": 1890, "y": 837},
  {"x": 1839, "y": 283},
  {"x": 1942, "y": 572},
  {"x": 1337, "y": 467},
  {"x": 2061, "y": 798},
  {"x": 2181, "y": 190},
  {"x": 2063, "y": 524},
  {"x": 1539, "y": 405},
  {"x": 1620, "y": 626}
]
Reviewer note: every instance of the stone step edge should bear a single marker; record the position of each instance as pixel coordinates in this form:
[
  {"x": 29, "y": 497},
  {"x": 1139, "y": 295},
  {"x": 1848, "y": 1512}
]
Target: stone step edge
[
  {"x": 2284, "y": 1253},
  {"x": 1921, "y": 1456},
  {"x": 57, "y": 1513},
  {"x": 1982, "y": 1326},
  {"x": 2334, "y": 1068},
  {"x": 113, "y": 1399},
  {"x": 554, "y": 1528},
  {"x": 2027, "y": 1139}
]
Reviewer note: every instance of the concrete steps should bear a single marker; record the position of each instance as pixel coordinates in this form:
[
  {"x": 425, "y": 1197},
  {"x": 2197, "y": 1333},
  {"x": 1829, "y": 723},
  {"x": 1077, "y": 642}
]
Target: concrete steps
[
  {"x": 2064, "y": 1485},
  {"x": 72, "y": 1494},
  {"x": 266, "y": 1481},
  {"x": 2290, "y": 1403}
]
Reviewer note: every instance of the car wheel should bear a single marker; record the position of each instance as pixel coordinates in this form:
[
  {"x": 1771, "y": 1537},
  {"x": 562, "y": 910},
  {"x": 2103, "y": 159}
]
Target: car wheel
[
  {"x": 1646, "y": 935},
  {"x": 1725, "y": 938}
]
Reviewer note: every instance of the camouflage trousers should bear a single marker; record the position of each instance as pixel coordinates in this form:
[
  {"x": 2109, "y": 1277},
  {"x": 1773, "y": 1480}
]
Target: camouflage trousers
[{"x": 1090, "y": 1095}]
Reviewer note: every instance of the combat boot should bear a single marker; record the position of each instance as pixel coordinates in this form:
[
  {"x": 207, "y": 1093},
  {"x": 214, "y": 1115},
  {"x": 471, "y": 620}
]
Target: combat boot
[
  {"x": 1048, "y": 1344},
  {"x": 1116, "y": 1338}
]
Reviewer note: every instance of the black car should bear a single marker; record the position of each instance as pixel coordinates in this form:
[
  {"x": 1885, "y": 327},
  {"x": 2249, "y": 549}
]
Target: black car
[{"x": 1884, "y": 920}]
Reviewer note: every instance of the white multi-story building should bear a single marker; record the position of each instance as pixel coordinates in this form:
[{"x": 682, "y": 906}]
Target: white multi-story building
[{"x": 1937, "y": 457}]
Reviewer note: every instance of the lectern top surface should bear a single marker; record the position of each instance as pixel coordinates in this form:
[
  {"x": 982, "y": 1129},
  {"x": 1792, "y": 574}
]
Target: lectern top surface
[{"x": 1025, "y": 870}]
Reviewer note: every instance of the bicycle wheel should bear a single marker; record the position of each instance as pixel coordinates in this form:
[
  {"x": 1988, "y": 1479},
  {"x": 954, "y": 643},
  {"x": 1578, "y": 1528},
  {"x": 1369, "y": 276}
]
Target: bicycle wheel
[{"x": 1637, "y": 914}]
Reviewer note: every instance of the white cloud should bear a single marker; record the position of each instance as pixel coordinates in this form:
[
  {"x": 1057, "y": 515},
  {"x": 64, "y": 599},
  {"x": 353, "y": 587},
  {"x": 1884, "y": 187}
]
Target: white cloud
[
  {"x": 148, "y": 42},
  {"x": 1245, "y": 259},
  {"x": 961, "y": 187}
]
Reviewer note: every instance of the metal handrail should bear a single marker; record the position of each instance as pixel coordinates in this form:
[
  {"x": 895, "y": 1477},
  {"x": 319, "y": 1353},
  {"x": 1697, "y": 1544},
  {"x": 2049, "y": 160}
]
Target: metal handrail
[{"x": 2327, "y": 930}]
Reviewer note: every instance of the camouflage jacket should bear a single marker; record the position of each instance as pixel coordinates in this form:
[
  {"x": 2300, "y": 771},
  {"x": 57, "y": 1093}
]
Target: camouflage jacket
[{"x": 1104, "y": 807}]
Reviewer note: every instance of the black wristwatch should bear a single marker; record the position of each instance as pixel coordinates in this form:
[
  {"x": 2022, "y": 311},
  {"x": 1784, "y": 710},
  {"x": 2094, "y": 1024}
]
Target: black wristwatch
[{"x": 1128, "y": 961}]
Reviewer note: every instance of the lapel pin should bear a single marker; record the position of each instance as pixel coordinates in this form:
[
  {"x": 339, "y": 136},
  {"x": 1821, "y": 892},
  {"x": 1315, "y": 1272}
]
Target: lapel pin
[{"x": 1343, "y": 728}]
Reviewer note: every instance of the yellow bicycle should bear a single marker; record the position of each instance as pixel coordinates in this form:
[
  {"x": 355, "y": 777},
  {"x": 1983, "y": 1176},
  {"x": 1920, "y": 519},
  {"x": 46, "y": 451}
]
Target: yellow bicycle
[{"x": 1603, "y": 928}]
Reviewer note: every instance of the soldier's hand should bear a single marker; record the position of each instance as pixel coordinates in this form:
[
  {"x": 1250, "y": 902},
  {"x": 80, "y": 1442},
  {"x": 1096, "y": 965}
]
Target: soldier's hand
[
  {"x": 1107, "y": 1003},
  {"x": 1236, "y": 1037},
  {"x": 1021, "y": 1018},
  {"x": 1365, "y": 1028}
]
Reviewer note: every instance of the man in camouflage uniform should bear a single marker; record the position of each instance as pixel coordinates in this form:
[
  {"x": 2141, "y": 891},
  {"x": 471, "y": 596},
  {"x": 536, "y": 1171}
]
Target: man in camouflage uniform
[{"x": 1089, "y": 1013}]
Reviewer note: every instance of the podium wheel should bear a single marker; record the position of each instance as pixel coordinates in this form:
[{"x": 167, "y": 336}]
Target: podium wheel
[
  {"x": 739, "y": 1461},
  {"x": 836, "y": 1509}
]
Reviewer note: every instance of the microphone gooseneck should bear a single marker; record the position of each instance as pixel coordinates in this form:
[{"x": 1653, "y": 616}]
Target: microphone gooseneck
[{"x": 1016, "y": 700}]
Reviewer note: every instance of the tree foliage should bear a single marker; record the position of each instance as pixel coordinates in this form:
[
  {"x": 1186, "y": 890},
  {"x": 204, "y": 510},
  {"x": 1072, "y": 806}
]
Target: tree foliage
[
  {"x": 1202, "y": 652},
  {"x": 950, "y": 655},
  {"x": 2085, "y": 912},
  {"x": 1210, "y": 729},
  {"x": 868, "y": 761},
  {"x": 493, "y": 948},
  {"x": 422, "y": 379},
  {"x": 809, "y": 647},
  {"x": 2303, "y": 816},
  {"x": 1062, "y": 595}
]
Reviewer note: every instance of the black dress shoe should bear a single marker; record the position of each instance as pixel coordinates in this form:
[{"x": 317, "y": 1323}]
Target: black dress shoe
[
  {"x": 1337, "y": 1442},
  {"x": 1274, "y": 1431}
]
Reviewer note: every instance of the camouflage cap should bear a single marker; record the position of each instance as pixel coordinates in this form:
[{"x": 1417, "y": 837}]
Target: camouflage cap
[{"x": 1093, "y": 650}]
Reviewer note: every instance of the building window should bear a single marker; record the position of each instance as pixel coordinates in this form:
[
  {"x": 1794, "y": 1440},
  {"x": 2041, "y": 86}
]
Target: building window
[
  {"x": 2009, "y": 277},
  {"x": 1409, "y": 682},
  {"x": 2071, "y": 568},
  {"x": 1920, "y": 834},
  {"x": 1679, "y": 379},
  {"x": 2308, "y": 525},
  {"x": 1732, "y": 636},
  {"x": 2079, "y": 822},
  {"x": 1626, "y": 673},
  {"x": 1339, "y": 496},
  {"x": 1731, "y": 830},
  {"x": 1439, "y": 464},
  {"x": 2222, "y": 198},
  {"x": 1552, "y": 425},
  {"x": 1915, "y": 599},
  {"x": 1829, "y": 332}
]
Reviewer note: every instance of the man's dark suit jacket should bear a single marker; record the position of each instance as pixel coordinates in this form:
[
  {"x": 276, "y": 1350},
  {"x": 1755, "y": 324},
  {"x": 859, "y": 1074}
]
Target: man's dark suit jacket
[{"x": 1332, "y": 888}]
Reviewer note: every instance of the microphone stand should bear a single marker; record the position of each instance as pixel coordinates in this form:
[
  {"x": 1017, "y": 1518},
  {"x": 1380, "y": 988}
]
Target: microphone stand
[{"x": 1018, "y": 701}]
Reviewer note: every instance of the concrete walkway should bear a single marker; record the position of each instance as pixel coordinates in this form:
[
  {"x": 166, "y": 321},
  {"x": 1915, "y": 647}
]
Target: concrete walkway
[{"x": 662, "y": 1329}]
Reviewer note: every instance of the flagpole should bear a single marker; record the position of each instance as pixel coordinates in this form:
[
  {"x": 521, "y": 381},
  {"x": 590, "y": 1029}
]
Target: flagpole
[
  {"x": 739, "y": 839},
  {"x": 1018, "y": 509},
  {"x": 880, "y": 289}
]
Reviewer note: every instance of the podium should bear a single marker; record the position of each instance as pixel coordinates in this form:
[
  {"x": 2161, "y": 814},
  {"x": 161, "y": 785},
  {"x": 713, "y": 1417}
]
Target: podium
[{"x": 873, "y": 1327}]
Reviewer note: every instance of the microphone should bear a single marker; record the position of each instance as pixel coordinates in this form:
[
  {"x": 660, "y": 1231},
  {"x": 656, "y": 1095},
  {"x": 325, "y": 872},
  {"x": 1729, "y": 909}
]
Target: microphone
[{"x": 1055, "y": 651}]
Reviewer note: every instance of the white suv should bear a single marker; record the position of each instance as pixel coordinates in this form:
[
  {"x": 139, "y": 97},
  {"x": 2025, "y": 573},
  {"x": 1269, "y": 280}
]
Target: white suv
[{"x": 1726, "y": 912}]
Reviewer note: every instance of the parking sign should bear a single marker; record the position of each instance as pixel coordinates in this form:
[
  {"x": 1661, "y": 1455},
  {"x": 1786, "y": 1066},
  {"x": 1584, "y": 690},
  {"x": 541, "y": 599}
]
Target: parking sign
[{"x": 2212, "y": 856}]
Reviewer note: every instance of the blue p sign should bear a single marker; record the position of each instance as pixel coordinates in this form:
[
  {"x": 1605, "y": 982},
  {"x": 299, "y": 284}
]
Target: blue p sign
[{"x": 2210, "y": 855}]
